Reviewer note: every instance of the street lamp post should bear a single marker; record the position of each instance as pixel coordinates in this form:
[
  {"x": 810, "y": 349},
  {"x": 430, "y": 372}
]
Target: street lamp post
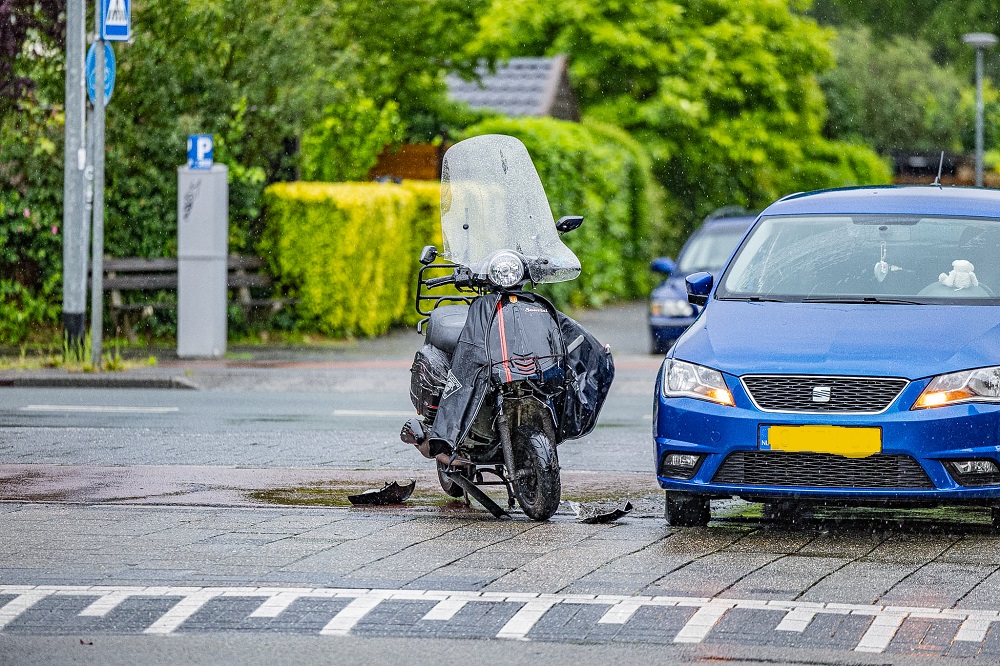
[{"x": 979, "y": 41}]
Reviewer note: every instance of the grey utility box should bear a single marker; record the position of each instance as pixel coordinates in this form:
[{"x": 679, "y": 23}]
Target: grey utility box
[{"x": 202, "y": 251}]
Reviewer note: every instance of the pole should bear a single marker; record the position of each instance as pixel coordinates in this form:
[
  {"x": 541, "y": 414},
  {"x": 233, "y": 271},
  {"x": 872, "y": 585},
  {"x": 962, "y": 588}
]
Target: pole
[
  {"x": 74, "y": 225},
  {"x": 979, "y": 117},
  {"x": 97, "y": 251}
]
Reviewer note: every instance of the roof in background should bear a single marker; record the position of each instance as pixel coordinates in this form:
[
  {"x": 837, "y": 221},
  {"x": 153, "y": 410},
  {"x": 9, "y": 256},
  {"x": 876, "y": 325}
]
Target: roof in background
[{"x": 520, "y": 87}]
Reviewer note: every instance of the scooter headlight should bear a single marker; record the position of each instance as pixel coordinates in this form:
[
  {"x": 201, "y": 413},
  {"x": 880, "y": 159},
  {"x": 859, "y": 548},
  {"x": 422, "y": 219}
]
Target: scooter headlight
[{"x": 506, "y": 269}]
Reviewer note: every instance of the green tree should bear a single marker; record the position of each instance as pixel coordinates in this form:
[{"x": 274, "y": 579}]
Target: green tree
[
  {"x": 723, "y": 93},
  {"x": 891, "y": 94}
]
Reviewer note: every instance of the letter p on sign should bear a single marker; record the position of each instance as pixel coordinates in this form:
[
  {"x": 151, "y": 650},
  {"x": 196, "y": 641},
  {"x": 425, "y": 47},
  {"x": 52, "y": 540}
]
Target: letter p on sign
[{"x": 199, "y": 151}]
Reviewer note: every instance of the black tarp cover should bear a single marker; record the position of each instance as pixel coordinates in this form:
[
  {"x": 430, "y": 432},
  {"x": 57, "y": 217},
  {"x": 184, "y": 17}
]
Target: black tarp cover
[{"x": 589, "y": 366}]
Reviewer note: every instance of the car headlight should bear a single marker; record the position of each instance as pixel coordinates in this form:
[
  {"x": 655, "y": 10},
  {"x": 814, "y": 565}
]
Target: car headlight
[
  {"x": 687, "y": 380},
  {"x": 980, "y": 385},
  {"x": 671, "y": 308},
  {"x": 506, "y": 269}
]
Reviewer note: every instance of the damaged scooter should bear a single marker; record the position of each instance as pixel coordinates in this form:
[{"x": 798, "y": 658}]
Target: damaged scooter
[{"x": 503, "y": 377}]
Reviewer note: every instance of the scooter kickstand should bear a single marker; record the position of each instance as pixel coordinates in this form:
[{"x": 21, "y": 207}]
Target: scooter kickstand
[{"x": 470, "y": 489}]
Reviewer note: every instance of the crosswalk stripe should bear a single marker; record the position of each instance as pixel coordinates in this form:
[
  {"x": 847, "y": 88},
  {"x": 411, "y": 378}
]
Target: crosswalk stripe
[{"x": 884, "y": 626}]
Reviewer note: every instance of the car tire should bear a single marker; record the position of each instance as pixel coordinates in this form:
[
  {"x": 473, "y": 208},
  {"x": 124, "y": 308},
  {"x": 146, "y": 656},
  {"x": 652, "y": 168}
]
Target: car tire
[
  {"x": 780, "y": 511},
  {"x": 686, "y": 510}
]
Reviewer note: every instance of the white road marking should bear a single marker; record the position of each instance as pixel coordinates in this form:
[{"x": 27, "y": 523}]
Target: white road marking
[
  {"x": 881, "y": 632},
  {"x": 275, "y": 600},
  {"x": 99, "y": 409},
  {"x": 518, "y": 626},
  {"x": 796, "y": 620},
  {"x": 701, "y": 623},
  {"x": 623, "y": 611},
  {"x": 350, "y": 615},
  {"x": 445, "y": 609},
  {"x": 22, "y": 602},
  {"x": 182, "y": 610},
  {"x": 974, "y": 628},
  {"x": 106, "y": 604},
  {"x": 375, "y": 413}
]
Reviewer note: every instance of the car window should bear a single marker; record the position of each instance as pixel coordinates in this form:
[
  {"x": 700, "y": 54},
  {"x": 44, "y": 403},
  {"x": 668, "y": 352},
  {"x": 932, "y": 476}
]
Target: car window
[
  {"x": 912, "y": 258},
  {"x": 709, "y": 249}
]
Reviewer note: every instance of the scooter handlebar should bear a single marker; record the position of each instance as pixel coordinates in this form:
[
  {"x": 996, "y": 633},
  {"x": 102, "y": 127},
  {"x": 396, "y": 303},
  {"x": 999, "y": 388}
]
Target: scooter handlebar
[{"x": 437, "y": 282}]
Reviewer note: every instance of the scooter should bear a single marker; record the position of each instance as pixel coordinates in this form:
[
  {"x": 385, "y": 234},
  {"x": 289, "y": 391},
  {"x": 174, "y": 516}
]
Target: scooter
[{"x": 503, "y": 377}]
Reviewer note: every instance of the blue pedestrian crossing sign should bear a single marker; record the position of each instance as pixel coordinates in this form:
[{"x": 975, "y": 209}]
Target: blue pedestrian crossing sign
[{"x": 116, "y": 20}]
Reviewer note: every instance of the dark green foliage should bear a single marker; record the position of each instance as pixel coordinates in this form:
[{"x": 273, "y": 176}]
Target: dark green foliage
[
  {"x": 891, "y": 94},
  {"x": 722, "y": 93}
]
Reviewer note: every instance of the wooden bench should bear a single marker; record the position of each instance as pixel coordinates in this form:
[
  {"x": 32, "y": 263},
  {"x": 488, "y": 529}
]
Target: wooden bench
[{"x": 135, "y": 274}]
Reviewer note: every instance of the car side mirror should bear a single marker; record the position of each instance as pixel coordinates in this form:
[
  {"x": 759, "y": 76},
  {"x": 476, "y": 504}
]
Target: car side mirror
[
  {"x": 428, "y": 254},
  {"x": 699, "y": 286},
  {"x": 663, "y": 265},
  {"x": 568, "y": 223}
]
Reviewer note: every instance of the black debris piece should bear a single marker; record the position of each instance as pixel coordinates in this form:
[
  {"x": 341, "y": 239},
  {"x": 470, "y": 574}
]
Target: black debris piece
[
  {"x": 600, "y": 513},
  {"x": 391, "y": 493}
]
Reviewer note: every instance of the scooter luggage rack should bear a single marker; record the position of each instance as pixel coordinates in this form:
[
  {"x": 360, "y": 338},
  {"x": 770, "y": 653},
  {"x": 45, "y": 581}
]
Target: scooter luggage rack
[{"x": 438, "y": 300}]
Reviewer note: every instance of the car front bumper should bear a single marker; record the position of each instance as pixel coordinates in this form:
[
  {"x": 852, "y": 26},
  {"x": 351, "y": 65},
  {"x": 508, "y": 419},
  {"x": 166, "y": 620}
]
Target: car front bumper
[{"x": 930, "y": 437}]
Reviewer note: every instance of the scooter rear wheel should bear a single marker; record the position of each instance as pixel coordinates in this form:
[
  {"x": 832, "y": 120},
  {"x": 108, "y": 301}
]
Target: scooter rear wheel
[{"x": 536, "y": 480}]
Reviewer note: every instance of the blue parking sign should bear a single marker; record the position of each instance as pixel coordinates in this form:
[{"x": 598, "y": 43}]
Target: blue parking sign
[
  {"x": 200, "y": 148},
  {"x": 116, "y": 20}
]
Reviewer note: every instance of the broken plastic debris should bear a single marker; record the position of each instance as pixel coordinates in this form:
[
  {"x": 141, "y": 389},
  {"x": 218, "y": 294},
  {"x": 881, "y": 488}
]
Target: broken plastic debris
[
  {"x": 592, "y": 514},
  {"x": 391, "y": 493}
]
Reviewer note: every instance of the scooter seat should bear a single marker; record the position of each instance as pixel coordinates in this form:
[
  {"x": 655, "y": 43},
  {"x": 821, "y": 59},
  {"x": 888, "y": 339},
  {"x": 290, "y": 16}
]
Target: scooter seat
[{"x": 445, "y": 326}]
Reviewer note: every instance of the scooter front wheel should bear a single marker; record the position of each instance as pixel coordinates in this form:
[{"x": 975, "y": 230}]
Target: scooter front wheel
[
  {"x": 536, "y": 478},
  {"x": 450, "y": 488}
]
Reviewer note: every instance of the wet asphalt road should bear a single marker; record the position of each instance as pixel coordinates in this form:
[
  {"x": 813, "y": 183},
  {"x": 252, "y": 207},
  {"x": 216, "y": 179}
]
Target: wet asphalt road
[{"x": 202, "y": 570}]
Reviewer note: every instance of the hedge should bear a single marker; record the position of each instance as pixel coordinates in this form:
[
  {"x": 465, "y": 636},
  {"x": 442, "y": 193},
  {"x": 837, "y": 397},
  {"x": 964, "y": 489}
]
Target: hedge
[
  {"x": 602, "y": 173},
  {"x": 348, "y": 251}
]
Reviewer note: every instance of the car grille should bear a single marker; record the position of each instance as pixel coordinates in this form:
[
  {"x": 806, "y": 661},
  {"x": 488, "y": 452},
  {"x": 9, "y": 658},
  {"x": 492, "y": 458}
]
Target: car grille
[
  {"x": 821, "y": 470},
  {"x": 804, "y": 393}
]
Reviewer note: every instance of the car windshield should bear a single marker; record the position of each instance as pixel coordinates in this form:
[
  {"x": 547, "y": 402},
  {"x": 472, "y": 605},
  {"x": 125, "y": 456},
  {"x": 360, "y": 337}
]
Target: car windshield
[
  {"x": 708, "y": 249},
  {"x": 868, "y": 258}
]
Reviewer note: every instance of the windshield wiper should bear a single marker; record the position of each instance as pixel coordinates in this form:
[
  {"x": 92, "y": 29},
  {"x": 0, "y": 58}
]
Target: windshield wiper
[
  {"x": 876, "y": 300},
  {"x": 753, "y": 299}
]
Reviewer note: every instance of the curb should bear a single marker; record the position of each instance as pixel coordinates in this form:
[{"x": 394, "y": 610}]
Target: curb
[{"x": 97, "y": 381}]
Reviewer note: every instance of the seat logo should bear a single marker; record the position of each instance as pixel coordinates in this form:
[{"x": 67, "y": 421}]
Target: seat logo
[{"x": 821, "y": 394}]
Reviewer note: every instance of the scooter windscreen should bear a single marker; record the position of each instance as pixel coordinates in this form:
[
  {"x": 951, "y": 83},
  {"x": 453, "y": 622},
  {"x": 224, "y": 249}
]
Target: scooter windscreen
[{"x": 492, "y": 200}]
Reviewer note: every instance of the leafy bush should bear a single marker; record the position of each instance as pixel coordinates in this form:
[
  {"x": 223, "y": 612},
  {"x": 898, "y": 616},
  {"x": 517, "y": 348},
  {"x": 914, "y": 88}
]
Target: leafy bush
[
  {"x": 346, "y": 143},
  {"x": 348, "y": 251},
  {"x": 600, "y": 172}
]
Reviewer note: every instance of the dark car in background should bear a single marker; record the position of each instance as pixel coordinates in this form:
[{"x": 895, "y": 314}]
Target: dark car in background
[{"x": 707, "y": 249}]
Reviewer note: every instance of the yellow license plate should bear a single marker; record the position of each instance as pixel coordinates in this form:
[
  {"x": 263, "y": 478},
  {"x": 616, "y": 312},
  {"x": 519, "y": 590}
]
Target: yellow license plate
[{"x": 850, "y": 442}]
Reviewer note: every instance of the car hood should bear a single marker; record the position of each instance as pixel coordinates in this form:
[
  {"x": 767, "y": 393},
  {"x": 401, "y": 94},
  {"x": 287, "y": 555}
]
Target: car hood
[{"x": 911, "y": 341}]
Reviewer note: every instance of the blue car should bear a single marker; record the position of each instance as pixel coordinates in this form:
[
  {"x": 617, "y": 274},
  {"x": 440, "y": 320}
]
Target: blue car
[
  {"x": 848, "y": 354},
  {"x": 709, "y": 247}
]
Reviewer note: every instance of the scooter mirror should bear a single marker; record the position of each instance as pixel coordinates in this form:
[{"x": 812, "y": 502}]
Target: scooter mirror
[
  {"x": 568, "y": 223},
  {"x": 428, "y": 254}
]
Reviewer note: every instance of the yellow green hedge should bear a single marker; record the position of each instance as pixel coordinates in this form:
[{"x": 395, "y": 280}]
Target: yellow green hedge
[{"x": 348, "y": 251}]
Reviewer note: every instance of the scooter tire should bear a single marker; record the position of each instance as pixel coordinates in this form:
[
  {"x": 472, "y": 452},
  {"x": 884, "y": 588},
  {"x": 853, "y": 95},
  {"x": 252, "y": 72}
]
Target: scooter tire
[
  {"x": 538, "y": 487},
  {"x": 449, "y": 487}
]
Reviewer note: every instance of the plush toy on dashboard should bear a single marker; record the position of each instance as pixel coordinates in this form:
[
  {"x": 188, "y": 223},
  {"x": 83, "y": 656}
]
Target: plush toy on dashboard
[{"x": 961, "y": 275}]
